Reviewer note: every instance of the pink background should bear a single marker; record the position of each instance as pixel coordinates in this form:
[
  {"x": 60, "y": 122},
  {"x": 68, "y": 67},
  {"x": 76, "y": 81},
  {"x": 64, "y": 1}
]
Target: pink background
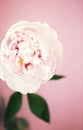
[{"x": 64, "y": 97}]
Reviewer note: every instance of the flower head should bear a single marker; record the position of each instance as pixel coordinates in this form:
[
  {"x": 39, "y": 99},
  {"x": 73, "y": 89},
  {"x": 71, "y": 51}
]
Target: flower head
[{"x": 29, "y": 56}]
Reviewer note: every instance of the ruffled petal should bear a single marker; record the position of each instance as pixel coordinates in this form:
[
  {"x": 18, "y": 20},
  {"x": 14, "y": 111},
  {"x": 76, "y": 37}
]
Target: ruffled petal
[{"x": 20, "y": 84}]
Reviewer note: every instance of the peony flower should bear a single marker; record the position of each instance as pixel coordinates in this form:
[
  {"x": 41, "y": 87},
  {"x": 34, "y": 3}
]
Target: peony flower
[{"x": 30, "y": 54}]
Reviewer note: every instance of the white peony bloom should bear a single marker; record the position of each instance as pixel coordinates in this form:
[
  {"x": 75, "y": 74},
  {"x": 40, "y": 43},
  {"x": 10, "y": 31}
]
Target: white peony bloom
[{"x": 30, "y": 54}]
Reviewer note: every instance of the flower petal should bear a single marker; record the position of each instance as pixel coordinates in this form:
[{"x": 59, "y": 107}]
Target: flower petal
[{"x": 20, "y": 84}]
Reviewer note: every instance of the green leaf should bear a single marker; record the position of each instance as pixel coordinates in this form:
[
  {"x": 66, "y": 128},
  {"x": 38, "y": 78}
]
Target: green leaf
[
  {"x": 13, "y": 106},
  {"x": 39, "y": 107},
  {"x": 57, "y": 77},
  {"x": 17, "y": 124}
]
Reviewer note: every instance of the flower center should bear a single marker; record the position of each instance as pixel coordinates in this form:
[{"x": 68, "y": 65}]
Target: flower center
[{"x": 23, "y": 52}]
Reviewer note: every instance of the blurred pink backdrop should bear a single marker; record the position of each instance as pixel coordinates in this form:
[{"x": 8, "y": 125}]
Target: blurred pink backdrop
[{"x": 64, "y": 97}]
